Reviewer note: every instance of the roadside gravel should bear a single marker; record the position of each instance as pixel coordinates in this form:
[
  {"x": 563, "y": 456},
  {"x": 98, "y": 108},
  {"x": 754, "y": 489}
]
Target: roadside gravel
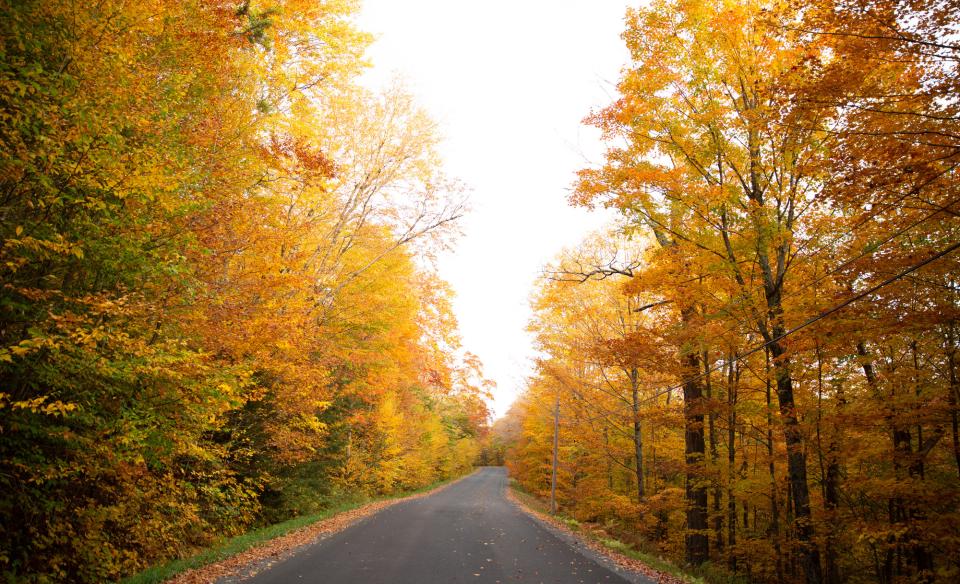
[
  {"x": 256, "y": 559},
  {"x": 630, "y": 568}
]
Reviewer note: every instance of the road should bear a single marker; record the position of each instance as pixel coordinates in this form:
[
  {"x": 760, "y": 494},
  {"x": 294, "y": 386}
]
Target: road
[{"x": 468, "y": 532}]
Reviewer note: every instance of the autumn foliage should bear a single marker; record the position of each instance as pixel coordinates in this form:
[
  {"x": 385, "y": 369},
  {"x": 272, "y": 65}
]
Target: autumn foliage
[
  {"x": 217, "y": 308},
  {"x": 756, "y": 373}
]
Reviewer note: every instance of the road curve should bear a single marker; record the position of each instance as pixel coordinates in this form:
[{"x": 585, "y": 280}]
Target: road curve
[{"x": 468, "y": 532}]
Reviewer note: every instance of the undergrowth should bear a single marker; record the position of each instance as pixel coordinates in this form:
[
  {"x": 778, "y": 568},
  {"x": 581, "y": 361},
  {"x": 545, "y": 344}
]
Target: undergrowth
[
  {"x": 705, "y": 574},
  {"x": 232, "y": 546}
]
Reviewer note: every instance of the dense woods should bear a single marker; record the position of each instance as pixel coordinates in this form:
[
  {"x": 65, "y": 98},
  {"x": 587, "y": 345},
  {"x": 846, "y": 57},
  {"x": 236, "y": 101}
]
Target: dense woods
[
  {"x": 217, "y": 303},
  {"x": 756, "y": 373},
  {"x": 219, "y": 307}
]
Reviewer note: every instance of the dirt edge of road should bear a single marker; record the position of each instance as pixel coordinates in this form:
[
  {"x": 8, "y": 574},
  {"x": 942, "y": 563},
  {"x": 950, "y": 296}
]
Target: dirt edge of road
[
  {"x": 261, "y": 556},
  {"x": 630, "y": 568}
]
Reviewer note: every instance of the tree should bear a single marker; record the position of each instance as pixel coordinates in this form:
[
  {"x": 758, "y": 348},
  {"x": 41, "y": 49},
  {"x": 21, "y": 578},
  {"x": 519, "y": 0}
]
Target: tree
[{"x": 207, "y": 280}]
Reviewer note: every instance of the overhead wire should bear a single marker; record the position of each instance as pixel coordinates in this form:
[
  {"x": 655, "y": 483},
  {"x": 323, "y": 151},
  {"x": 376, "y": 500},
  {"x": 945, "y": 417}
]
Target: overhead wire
[
  {"x": 871, "y": 250},
  {"x": 836, "y": 308}
]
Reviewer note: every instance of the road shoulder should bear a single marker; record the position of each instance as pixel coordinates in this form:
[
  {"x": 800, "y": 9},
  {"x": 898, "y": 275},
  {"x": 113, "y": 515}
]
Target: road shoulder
[
  {"x": 260, "y": 557},
  {"x": 630, "y": 569}
]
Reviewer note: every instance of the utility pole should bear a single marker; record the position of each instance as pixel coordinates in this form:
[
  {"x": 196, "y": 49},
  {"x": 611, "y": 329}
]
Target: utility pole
[{"x": 556, "y": 444}]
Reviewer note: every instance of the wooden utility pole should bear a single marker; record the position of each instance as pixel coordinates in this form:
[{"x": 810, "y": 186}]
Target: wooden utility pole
[{"x": 556, "y": 444}]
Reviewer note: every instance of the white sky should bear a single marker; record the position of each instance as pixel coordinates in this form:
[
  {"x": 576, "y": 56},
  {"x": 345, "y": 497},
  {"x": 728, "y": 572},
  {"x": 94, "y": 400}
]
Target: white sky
[{"x": 509, "y": 82}]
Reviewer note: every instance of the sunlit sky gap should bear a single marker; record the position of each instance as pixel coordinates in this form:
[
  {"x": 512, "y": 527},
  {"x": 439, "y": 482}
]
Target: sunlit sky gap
[{"x": 509, "y": 83}]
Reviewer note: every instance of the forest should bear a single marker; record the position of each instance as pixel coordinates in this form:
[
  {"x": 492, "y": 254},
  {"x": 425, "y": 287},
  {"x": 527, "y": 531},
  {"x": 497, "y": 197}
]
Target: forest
[
  {"x": 218, "y": 306},
  {"x": 755, "y": 372}
]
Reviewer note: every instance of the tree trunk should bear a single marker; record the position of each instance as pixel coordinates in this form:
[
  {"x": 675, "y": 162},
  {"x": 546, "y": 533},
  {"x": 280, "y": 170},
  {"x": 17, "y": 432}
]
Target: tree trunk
[
  {"x": 637, "y": 436},
  {"x": 902, "y": 453},
  {"x": 796, "y": 461},
  {"x": 922, "y": 557},
  {"x": 830, "y": 471},
  {"x": 954, "y": 392},
  {"x": 697, "y": 541},
  {"x": 606, "y": 448},
  {"x": 772, "y": 469},
  {"x": 714, "y": 471},
  {"x": 556, "y": 448},
  {"x": 732, "y": 379},
  {"x": 773, "y": 328}
]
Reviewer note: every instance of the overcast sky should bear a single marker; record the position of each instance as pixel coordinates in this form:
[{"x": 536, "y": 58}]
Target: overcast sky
[{"x": 509, "y": 82}]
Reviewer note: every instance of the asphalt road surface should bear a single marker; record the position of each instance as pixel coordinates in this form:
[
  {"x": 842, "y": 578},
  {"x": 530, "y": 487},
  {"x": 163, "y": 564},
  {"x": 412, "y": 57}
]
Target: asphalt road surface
[{"x": 468, "y": 532}]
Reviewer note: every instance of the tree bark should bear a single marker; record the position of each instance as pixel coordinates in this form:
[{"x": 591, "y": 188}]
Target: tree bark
[
  {"x": 714, "y": 456},
  {"x": 732, "y": 379},
  {"x": 830, "y": 469},
  {"x": 796, "y": 461},
  {"x": 556, "y": 448},
  {"x": 637, "y": 436},
  {"x": 697, "y": 541},
  {"x": 774, "y": 528},
  {"x": 897, "y": 511},
  {"x": 954, "y": 392}
]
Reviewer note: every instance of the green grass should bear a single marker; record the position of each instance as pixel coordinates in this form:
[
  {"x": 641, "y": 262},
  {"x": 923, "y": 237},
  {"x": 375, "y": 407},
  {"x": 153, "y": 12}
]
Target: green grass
[
  {"x": 235, "y": 545},
  {"x": 652, "y": 560}
]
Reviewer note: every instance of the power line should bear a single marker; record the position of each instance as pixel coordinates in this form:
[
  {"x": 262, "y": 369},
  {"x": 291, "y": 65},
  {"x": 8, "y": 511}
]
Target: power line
[
  {"x": 948, "y": 250},
  {"x": 872, "y": 249}
]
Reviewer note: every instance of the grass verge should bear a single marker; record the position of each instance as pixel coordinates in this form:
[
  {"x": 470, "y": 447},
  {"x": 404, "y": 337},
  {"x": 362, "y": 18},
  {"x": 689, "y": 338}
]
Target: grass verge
[
  {"x": 241, "y": 543},
  {"x": 653, "y": 566}
]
